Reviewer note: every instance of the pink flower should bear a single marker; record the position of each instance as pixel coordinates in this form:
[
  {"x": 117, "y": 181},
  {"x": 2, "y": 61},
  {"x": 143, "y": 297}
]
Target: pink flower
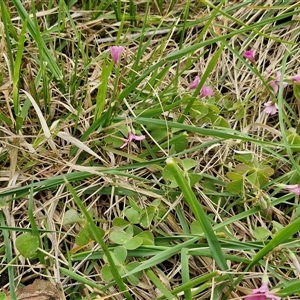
[
  {"x": 116, "y": 52},
  {"x": 132, "y": 137},
  {"x": 275, "y": 83},
  {"x": 250, "y": 55},
  {"x": 293, "y": 188},
  {"x": 262, "y": 293},
  {"x": 194, "y": 83},
  {"x": 270, "y": 108},
  {"x": 296, "y": 78},
  {"x": 206, "y": 92}
]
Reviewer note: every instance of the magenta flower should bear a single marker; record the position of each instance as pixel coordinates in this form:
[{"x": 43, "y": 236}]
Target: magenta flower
[
  {"x": 262, "y": 293},
  {"x": 293, "y": 188},
  {"x": 116, "y": 52},
  {"x": 206, "y": 92},
  {"x": 270, "y": 108},
  {"x": 250, "y": 55},
  {"x": 296, "y": 78},
  {"x": 275, "y": 83},
  {"x": 194, "y": 83},
  {"x": 132, "y": 137}
]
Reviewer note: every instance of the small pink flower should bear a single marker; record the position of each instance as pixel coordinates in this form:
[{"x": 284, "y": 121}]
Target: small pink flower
[
  {"x": 132, "y": 137},
  {"x": 206, "y": 92},
  {"x": 262, "y": 293},
  {"x": 250, "y": 55},
  {"x": 194, "y": 83},
  {"x": 293, "y": 188},
  {"x": 275, "y": 83},
  {"x": 116, "y": 52},
  {"x": 270, "y": 108},
  {"x": 296, "y": 78}
]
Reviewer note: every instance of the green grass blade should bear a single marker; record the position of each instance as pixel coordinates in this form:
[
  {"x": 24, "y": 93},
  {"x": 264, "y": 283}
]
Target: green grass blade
[
  {"x": 279, "y": 238},
  {"x": 55, "y": 70},
  {"x": 9, "y": 258},
  {"x": 199, "y": 214}
]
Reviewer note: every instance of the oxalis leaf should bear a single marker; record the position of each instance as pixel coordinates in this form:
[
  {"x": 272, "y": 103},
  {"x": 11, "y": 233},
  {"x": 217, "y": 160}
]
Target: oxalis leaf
[{"x": 27, "y": 244}]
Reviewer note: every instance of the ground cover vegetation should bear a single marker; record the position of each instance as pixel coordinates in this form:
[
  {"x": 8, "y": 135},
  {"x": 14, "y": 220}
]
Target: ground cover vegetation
[{"x": 149, "y": 149}]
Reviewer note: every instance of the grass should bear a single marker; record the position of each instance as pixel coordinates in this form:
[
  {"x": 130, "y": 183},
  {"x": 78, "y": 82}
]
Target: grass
[{"x": 196, "y": 210}]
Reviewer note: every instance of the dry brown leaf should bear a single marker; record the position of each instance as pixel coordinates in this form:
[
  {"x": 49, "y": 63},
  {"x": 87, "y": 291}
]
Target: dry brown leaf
[{"x": 38, "y": 290}]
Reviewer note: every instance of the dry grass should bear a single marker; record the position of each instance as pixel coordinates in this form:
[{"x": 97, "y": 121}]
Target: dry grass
[{"x": 57, "y": 138}]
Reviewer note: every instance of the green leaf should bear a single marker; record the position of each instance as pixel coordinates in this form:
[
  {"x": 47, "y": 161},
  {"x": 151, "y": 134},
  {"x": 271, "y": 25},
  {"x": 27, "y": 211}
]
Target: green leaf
[
  {"x": 293, "y": 139},
  {"x": 106, "y": 273},
  {"x": 83, "y": 237},
  {"x": 235, "y": 187},
  {"x": 120, "y": 253},
  {"x": 133, "y": 279},
  {"x": 181, "y": 144},
  {"x": 196, "y": 228},
  {"x": 188, "y": 163},
  {"x": 296, "y": 88},
  {"x": 261, "y": 233},
  {"x": 2, "y": 296},
  {"x": 3, "y": 203},
  {"x": 234, "y": 176},
  {"x": 167, "y": 173},
  {"x": 132, "y": 215},
  {"x": 120, "y": 222},
  {"x": 220, "y": 122},
  {"x": 27, "y": 244},
  {"x": 147, "y": 217},
  {"x": 133, "y": 243},
  {"x": 119, "y": 236},
  {"x": 244, "y": 158},
  {"x": 71, "y": 217},
  {"x": 147, "y": 236},
  {"x": 194, "y": 178}
]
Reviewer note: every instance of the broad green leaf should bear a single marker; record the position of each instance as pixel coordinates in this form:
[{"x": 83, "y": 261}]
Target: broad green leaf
[
  {"x": 220, "y": 122},
  {"x": 293, "y": 139},
  {"x": 181, "y": 144},
  {"x": 71, "y": 217},
  {"x": 120, "y": 253},
  {"x": 132, "y": 215},
  {"x": 120, "y": 222},
  {"x": 235, "y": 187},
  {"x": 196, "y": 228},
  {"x": 234, "y": 176},
  {"x": 133, "y": 279},
  {"x": 27, "y": 244},
  {"x": 167, "y": 173},
  {"x": 106, "y": 273},
  {"x": 3, "y": 202},
  {"x": 119, "y": 236},
  {"x": 188, "y": 163},
  {"x": 242, "y": 168},
  {"x": 244, "y": 158},
  {"x": 84, "y": 236},
  {"x": 261, "y": 233},
  {"x": 133, "y": 243},
  {"x": 296, "y": 88},
  {"x": 194, "y": 178},
  {"x": 147, "y": 217},
  {"x": 147, "y": 236}
]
